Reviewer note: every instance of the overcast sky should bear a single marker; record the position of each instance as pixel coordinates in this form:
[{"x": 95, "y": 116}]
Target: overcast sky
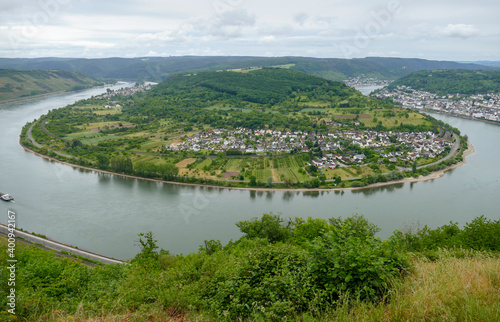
[{"x": 432, "y": 29}]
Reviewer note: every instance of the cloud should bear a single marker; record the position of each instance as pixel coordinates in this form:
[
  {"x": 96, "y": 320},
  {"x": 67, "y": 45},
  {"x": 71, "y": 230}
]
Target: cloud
[
  {"x": 230, "y": 24},
  {"x": 458, "y": 31},
  {"x": 178, "y": 34}
]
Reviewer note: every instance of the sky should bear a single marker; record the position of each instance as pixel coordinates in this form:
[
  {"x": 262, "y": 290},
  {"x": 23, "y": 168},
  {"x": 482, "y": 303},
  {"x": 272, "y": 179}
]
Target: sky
[{"x": 456, "y": 30}]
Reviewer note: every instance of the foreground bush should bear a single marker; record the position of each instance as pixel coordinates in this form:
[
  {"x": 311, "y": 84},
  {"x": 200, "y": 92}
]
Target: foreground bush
[{"x": 280, "y": 269}]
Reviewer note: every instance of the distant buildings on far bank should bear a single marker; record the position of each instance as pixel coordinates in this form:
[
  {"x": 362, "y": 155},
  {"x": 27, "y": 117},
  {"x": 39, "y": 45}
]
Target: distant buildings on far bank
[{"x": 480, "y": 106}]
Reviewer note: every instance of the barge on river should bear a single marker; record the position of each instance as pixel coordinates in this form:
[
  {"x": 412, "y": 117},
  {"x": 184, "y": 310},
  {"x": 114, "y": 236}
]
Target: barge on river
[{"x": 6, "y": 197}]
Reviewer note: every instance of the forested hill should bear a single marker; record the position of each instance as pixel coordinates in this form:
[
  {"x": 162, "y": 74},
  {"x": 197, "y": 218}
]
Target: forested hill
[
  {"x": 16, "y": 84},
  {"x": 160, "y": 68},
  {"x": 443, "y": 82},
  {"x": 262, "y": 86}
]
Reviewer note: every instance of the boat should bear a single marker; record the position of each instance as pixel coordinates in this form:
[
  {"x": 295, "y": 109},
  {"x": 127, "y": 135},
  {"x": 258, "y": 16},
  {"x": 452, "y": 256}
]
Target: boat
[{"x": 6, "y": 197}]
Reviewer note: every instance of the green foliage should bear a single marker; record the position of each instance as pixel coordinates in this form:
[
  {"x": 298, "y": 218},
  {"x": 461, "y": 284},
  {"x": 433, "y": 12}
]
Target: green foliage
[
  {"x": 347, "y": 260},
  {"x": 148, "y": 248},
  {"x": 122, "y": 164},
  {"x": 158, "y": 68},
  {"x": 444, "y": 82},
  {"x": 274, "y": 228},
  {"x": 210, "y": 246},
  {"x": 102, "y": 160},
  {"x": 268, "y": 283},
  {"x": 311, "y": 269},
  {"x": 24, "y": 83},
  {"x": 308, "y": 230},
  {"x": 480, "y": 234}
]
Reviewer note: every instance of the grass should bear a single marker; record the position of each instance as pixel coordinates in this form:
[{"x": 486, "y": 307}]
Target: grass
[
  {"x": 80, "y": 135},
  {"x": 100, "y": 139},
  {"x": 343, "y": 173},
  {"x": 233, "y": 165},
  {"x": 449, "y": 289},
  {"x": 204, "y": 163},
  {"x": 184, "y": 163},
  {"x": 263, "y": 175},
  {"x": 108, "y": 111}
]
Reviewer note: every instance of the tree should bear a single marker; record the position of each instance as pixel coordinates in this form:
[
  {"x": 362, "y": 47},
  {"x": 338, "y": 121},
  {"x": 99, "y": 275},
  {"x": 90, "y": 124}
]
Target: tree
[
  {"x": 253, "y": 181},
  {"x": 274, "y": 228},
  {"x": 308, "y": 230},
  {"x": 210, "y": 246},
  {"x": 122, "y": 164},
  {"x": 414, "y": 166},
  {"x": 149, "y": 253},
  {"x": 102, "y": 161}
]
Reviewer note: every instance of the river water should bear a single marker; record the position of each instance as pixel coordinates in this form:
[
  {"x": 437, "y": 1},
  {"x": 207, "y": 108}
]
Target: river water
[{"x": 104, "y": 213}]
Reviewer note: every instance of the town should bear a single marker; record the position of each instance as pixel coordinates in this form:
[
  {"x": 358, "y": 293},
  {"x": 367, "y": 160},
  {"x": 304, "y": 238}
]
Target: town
[
  {"x": 366, "y": 81},
  {"x": 126, "y": 91},
  {"x": 479, "y": 106},
  {"x": 397, "y": 147}
]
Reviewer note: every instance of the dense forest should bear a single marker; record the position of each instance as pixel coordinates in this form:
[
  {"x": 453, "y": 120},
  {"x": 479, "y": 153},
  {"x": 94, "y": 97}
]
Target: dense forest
[
  {"x": 444, "y": 82},
  {"x": 281, "y": 269}
]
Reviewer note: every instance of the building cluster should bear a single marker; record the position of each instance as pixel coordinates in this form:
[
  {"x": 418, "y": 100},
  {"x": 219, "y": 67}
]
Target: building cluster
[
  {"x": 417, "y": 144},
  {"x": 126, "y": 91},
  {"x": 476, "y": 106},
  {"x": 364, "y": 81}
]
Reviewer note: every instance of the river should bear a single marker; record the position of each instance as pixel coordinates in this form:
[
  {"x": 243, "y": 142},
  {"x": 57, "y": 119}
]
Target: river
[{"x": 104, "y": 213}]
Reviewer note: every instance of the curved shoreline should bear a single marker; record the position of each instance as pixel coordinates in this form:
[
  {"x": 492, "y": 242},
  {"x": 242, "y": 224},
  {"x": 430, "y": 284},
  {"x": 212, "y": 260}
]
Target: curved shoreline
[{"x": 431, "y": 176}]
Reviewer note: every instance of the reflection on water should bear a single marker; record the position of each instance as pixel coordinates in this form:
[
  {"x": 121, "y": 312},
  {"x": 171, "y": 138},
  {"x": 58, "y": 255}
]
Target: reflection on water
[
  {"x": 312, "y": 194},
  {"x": 288, "y": 196},
  {"x": 375, "y": 190}
]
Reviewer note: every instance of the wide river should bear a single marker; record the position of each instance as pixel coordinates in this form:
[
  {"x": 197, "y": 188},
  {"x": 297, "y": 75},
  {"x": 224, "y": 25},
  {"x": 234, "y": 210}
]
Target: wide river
[{"x": 104, "y": 213}]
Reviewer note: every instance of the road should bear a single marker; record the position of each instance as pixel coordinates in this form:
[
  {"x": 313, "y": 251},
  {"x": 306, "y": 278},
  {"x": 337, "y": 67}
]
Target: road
[
  {"x": 453, "y": 151},
  {"x": 57, "y": 246},
  {"x": 30, "y": 136},
  {"x": 38, "y": 145}
]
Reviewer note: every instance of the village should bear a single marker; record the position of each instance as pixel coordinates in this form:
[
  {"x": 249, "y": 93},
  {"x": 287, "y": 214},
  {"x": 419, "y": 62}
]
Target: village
[
  {"x": 366, "y": 81},
  {"x": 337, "y": 146},
  {"x": 477, "y": 106},
  {"x": 126, "y": 91}
]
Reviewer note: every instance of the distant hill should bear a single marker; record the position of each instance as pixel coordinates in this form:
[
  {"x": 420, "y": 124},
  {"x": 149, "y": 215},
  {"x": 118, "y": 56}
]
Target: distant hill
[
  {"x": 443, "y": 82},
  {"x": 160, "y": 68},
  {"x": 16, "y": 84},
  {"x": 495, "y": 64}
]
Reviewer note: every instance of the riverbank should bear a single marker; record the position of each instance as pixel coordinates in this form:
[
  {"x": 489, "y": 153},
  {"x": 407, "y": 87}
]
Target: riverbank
[
  {"x": 62, "y": 248},
  {"x": 460, "y": 116},
  {"x": 432, "y": 176},
  {"x": 38, "y": 96}
]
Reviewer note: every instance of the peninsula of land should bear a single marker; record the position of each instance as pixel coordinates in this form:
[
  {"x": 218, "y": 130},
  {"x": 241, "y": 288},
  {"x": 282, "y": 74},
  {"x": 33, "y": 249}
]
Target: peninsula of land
[{"x": 259, "y": 128}]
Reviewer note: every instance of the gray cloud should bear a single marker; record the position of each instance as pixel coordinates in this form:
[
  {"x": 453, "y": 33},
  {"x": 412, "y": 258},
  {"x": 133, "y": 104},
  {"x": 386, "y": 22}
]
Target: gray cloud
[
  {"x": 458, "y": 31},
  {"x": 230, "y": 24},
  {"x": 446, "y": 29}
]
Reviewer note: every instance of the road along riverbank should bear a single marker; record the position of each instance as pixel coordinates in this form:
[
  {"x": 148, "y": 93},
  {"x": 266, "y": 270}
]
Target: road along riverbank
[{"x": 60, "y": 247}]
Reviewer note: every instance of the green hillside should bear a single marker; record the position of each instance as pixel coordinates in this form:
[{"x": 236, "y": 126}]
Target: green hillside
[
  {"x": 160, "y": 68},
  {"x": 443, "y": 82},
  {"x": 262, "y": 86},
  {"x": 16, "y": 84}
]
